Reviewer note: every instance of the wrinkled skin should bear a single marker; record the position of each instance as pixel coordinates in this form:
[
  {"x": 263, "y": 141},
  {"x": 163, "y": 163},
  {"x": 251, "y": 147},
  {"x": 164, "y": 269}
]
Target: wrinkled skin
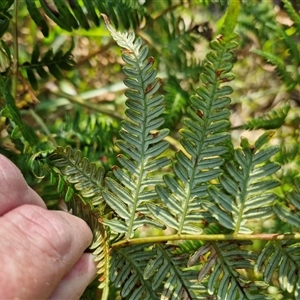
[{"x": 41, "y": 251}]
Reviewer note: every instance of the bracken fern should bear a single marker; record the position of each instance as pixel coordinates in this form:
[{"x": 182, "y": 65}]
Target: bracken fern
[{"x": 208, "y": 198}]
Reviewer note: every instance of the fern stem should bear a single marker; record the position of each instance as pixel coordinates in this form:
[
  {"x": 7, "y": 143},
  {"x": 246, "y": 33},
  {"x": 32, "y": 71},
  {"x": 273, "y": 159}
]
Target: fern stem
[
  {"x": 42, "y": 124},
  {"x": 208, "y": 237},
  {"x": 243, "y": 197},
  {"x": 15, "y": 66},
  {"x": 78, "y": 100},
  {"x": 165, "y": 11}
]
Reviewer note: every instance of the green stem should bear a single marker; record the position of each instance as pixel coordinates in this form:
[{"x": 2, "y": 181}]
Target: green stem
[
  {"x": 243, "y": 196},
  {"x": 165, "y": 11},
  {"x": 15, "y": 66},
  {"x": 207, "y": 237},
  {"x": 44, "y": 127},
  {"x": 93, "y": 107}
]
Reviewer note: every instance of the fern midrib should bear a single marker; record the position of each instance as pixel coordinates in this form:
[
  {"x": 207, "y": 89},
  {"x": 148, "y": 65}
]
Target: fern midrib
[
  {"x": 225, "y": 266},
  {"x": 175, "y": 269},
  {"x": 243, "y": 197},
  {"x": 93, "y": 183},
  {"x": 286, "y": 253},
  {"x": 45, "y": 64},
  {"x": 197, "y": 160},
  {"x": 139, "y": 270}
]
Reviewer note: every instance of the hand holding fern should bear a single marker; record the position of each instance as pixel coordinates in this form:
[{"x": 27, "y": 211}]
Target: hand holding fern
[{"x": 43, "y": 255}]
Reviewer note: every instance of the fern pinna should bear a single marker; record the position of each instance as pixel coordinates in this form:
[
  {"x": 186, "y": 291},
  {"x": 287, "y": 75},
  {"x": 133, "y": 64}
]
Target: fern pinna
[
  {"x": 81, "y": 183},
  {"x": 203, "y": 139},
  {"x": 142, "y": 142}
]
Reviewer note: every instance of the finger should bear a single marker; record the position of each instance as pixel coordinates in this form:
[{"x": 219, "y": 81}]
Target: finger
[
  {"x": 74, "y": 283},
  {"x": 38, "y": 248},
  {"x": 14, "y": 190}
]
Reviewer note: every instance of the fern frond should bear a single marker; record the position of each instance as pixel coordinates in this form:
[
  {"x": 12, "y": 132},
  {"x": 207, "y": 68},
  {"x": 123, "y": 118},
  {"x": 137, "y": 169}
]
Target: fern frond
[
  {"x": 80, "y": 175},
  {"x": 142, "y": 142},
  {"x": 245, "y": 194},
  {"x": 6, "y": 58},
  {"x": 167, "y": 269},
  {"x": 256, "y": 17},
  {"x": 291, "y": 213},
  {"x": 54, "y": 62},
  {"x": 203, "y": 138},
  {"x": 280, "y": 69},
  {"x": 83, "y": 182},
  {"x": 5, "y": 16},
  {"x": 70, "y": 15},
  {"x": 99, "y": 244},
  {"x": 271, "y": 120},
  {"x": 221, "y": 269},
  {"x": 127, "y": 265},
  {"x": 20, "y": 130},
  {"x": 154, "y": 272},
  {"x": 125, "y": 13},
  {"x": 294, "y": 15},
  {"x": 94, "y": 133},
  {"x": 282, "y": 257}
]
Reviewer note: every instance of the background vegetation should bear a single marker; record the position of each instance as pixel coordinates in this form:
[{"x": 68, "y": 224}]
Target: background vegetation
[{"x": 62, "y": 85}]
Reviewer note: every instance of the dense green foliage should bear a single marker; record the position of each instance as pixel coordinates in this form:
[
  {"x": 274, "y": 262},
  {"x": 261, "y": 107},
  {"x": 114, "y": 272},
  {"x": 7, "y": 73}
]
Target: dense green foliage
[{"x": 181, "y": 204}]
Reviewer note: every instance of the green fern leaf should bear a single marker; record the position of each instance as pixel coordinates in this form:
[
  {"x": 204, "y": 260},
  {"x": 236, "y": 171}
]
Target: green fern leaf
[
  {"x": 70, "y": 15},
  {"x": 54, "y": 15},
  {"x": 142, "y": 143},
  {"x": 5, "y": 16},
  {"x": 125, "y": 13},
  {"x": 271, "y": 120},
  {"x": 6, "y": 58},
  {"x": 292, "y": 13},
  {"x": 291, "y": 213},
  {"x": 20, "y": 130},
  {"x": 245, "y": 193},
  {"x": 37, "y": 17},
  {"x": 165, "y": 269},
  {"x": 283, "y": 257},
  {"x": 281, "y": 70},
  {"x": 203, "y": 138},
  {"x": 83, "y": 182},
  {"x": 99, "y": 244},
  {"x": 154, "y": 272},
  {"x": 80, "y": 175},
  {"x": 54, "y": 62},
  {"x": 221, "y": 270},
  {"x": 127, "y": 266}
]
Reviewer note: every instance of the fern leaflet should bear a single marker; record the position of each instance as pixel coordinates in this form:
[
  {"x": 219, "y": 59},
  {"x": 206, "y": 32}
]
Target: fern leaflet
[
  {"x": 82, "y": 176},
  {"x": 127, "y": 266},
  {"x": 166, "y": 269},
  {"x": 291, "y": 213},
  {"x": 283, "y": 257},
  {"x": 245, "y": 192},
  {"x": 203, "y": 139},
  {"x": 55, "y": 62},
  {"x": 84, "y": 184},
  {"x": 100, "y": 240},
  {"x": 271, "y": 120},
  {"x": 142, "y": 143},
  {"x": 222, "y": 262}
]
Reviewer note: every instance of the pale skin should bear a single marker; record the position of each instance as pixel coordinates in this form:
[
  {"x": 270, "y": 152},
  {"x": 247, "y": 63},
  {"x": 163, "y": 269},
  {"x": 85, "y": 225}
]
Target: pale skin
[{"x": 41, "y": 251}]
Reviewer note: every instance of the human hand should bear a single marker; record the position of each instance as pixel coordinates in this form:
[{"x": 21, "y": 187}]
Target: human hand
[{"x": 41, "y": 251}]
